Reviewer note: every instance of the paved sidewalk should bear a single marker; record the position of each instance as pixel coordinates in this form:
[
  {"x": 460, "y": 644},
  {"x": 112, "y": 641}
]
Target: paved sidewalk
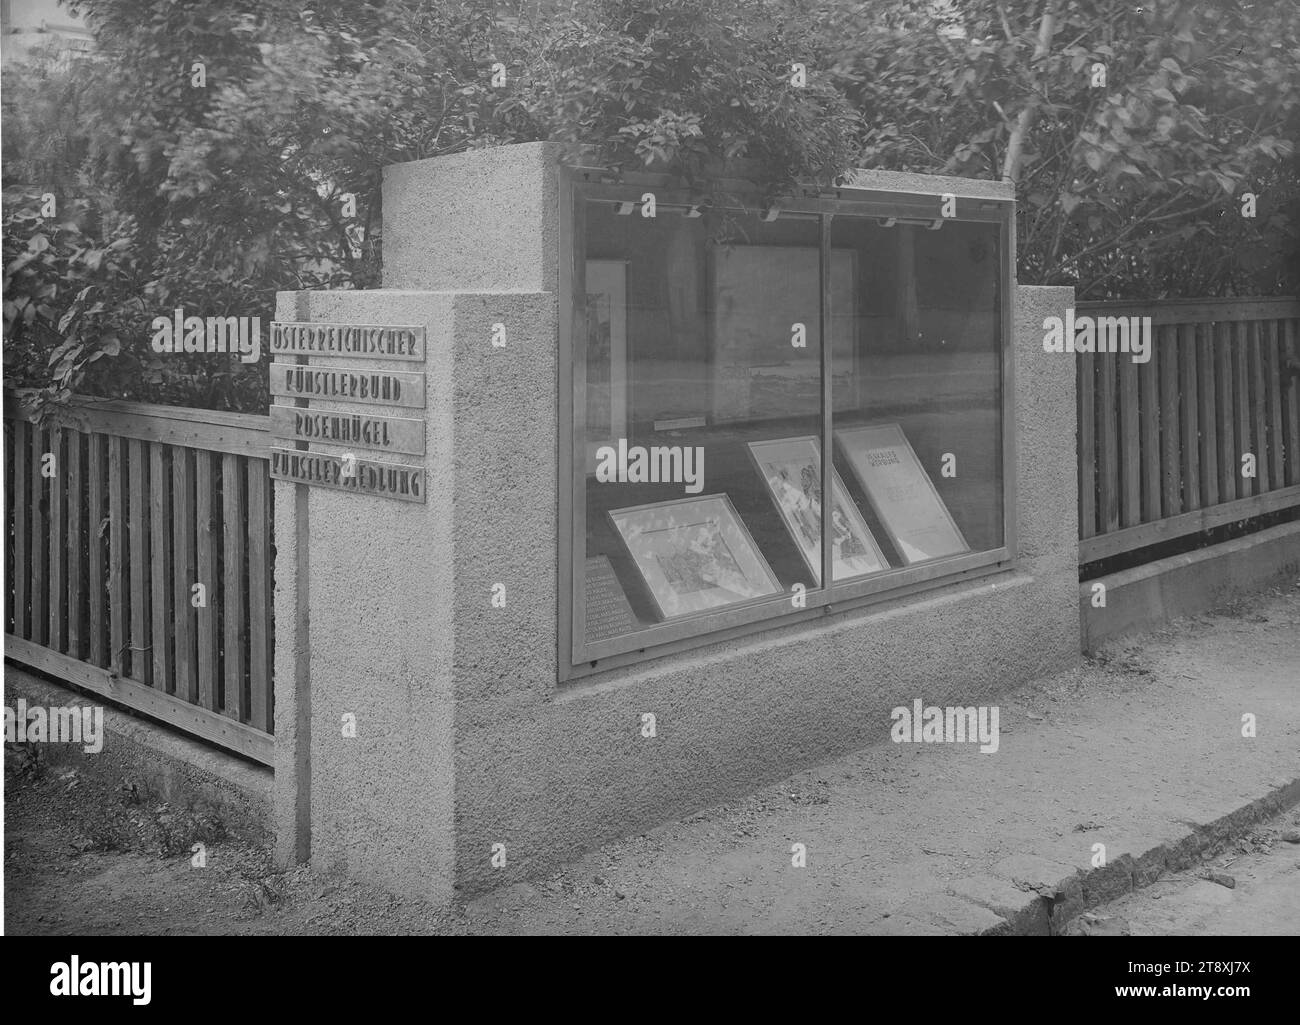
[{"x": 1135, "y": 750}]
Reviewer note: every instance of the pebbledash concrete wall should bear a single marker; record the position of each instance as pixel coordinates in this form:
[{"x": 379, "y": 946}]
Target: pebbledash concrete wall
[{"x": 465, "y": 740}]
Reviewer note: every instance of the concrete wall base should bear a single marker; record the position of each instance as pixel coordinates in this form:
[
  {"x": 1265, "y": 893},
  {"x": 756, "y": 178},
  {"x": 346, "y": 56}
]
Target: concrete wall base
[{"x": 1140, "y": 599}]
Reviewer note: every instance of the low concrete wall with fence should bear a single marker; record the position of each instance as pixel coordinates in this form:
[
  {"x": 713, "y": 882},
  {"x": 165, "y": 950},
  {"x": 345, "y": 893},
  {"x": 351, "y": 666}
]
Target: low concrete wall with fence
[
  {"x": 1203, "y": 435},
  {"x": 1161, "y": 442},
  {"x": 141, "y": 548}
]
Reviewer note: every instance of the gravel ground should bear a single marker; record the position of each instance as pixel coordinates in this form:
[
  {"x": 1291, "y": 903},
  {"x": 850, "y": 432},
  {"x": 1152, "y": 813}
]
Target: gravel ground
[{"x": 1129, "y": 748}]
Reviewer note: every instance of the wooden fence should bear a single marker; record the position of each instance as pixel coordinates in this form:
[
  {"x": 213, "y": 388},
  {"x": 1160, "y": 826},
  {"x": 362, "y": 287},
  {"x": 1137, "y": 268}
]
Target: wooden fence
[
  {"x": 140, "y": 537},
  {"x": 1161, "y": 443},
  {"x": 139, "y": 562}
]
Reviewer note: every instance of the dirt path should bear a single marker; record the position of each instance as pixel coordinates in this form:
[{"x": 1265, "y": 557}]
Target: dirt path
[
  {"x": 1130, "y": 750},
  {"x": 82, "y": 859}
]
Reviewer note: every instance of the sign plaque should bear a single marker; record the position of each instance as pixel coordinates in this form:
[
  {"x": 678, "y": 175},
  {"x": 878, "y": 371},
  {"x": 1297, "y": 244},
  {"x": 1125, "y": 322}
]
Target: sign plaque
[
  {"x": 361, "y": 476},
  {"x": 361, "y": 341},
  {"x": 351, "y": 430},
  {"x": 378, "y": 387},
  {"x": 296, "y": 424}
]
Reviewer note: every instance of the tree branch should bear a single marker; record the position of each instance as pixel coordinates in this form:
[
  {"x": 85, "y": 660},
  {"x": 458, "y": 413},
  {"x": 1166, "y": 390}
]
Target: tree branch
[{"x": 1015, "y": 145}]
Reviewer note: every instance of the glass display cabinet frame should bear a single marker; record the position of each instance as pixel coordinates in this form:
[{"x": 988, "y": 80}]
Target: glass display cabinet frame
[{"x": 922, "y": 206}]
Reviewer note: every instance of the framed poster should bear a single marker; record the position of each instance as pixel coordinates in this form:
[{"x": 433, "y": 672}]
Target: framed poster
[
  {"x": 694, "y": 554},
  {"x": 606, "y": 355},
  {"x": 792, "y": 470},
  {"x": 900, "y": 492}
]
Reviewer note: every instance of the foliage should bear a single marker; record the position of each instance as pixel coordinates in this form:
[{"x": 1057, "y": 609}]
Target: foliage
[
  {"x": 230, "y": 135},
  {"x": 58, "y": 274},
  {"x": 689, "y": 86},
  {"x": 1132, "y": 189},
  {"x": 233, "y": 183},
  {"x": 204, "y": 160}
]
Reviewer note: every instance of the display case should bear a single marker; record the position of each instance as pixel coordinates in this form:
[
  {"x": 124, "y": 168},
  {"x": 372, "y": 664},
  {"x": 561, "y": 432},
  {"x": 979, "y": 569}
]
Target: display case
[{"x": 725, "y": 365}]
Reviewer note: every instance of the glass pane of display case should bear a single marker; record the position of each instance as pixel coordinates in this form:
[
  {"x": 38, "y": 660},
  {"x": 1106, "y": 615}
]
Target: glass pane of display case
[
  {"x": 699, "y": 429},
  {"x": 700, "y": 413},
  {"x": 918, "y": 418}
]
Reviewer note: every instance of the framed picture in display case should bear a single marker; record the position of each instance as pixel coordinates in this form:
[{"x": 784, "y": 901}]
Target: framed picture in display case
[
  {"x": 901, "y": 493},
  {"x": 606, "y": 355},
  {"x": 792, "y": 470},
  {"x": 694, "y": 554}
]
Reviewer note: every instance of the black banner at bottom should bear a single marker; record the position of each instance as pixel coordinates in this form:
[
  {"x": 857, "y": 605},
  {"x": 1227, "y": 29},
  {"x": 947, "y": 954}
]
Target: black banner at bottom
[{"x": 186, "y": 975}]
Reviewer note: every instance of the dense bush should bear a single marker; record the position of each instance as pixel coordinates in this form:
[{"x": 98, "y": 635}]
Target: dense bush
[
  {"x": 1131, "y": 189},
  {"x": 218, "y": 151}
]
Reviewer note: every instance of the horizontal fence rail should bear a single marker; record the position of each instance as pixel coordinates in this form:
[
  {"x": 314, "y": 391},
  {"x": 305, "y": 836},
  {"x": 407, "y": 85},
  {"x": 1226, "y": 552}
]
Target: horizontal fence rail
[
  {"x": 1167, "y": 447},
  {"x": 140, "y": 561}
]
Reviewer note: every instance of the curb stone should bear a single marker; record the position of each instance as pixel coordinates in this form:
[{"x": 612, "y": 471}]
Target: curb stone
[{"x": 1050, "y": 915}]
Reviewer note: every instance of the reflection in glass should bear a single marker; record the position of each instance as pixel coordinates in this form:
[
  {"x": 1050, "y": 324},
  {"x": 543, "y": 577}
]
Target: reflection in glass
[
  {"x": 706, "y": 353},
  {"x": 721, "y": 348},
  {"x": 918, "y": 427}
]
